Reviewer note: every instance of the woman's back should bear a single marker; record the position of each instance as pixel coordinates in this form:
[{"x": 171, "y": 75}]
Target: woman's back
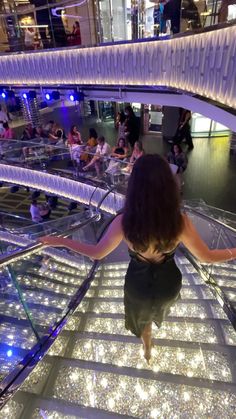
[{"x": 151, "y": 254}]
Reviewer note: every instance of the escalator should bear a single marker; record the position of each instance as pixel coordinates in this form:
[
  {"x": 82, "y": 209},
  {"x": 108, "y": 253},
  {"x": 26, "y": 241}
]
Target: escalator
[{"x": 94, "y": 366}]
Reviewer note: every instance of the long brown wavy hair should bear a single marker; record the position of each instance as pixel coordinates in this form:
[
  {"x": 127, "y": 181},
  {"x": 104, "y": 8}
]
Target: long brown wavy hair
[{"x": 152, "y": 215}]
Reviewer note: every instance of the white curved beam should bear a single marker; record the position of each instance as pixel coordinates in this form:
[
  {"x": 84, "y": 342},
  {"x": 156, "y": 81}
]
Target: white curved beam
[
  {"x": 187, "y": 101},
  {"x": 202, "y": 63}
]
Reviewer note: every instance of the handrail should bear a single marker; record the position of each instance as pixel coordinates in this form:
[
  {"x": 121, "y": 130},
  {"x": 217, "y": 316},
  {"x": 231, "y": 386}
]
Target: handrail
[
  {"x": 17, "y": 216},
  {"x": 208, "y": 217},
  {"x": 37, "y": 246},
  {"x": 209, "y": 280},
  {"x": 11, "y": 383}
]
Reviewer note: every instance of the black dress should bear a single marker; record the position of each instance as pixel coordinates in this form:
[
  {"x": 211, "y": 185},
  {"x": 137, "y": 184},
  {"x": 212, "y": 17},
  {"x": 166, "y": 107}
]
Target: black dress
[{"x": 150, "y": 290}]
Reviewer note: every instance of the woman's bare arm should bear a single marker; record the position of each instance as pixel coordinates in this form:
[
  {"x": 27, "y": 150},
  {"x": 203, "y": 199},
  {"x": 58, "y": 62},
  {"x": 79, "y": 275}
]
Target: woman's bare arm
[
  {"x": 191, "y": 239},
  {"x": 106, "y": 245}
]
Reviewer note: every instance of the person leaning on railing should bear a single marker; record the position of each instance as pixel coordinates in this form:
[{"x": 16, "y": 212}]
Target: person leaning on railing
[{"x": 152, "y": 225}]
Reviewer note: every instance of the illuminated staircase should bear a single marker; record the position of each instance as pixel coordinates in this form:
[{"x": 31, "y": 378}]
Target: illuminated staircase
[{"x": 95, "y": 369}]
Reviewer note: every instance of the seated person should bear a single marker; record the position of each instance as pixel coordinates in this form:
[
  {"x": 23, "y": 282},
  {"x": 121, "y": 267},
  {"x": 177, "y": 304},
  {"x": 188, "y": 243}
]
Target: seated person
[
  {"x": 27, "y": 133},
  {"x": 103, "y": 149},
  {"x": 178, "y": 157},
  {"x": 90, "y": 146},
  {"x": 75, "y": 144},
  {"x": 121, "y": 152},
  {"x": 74, "y": 136},
  {"x": 138, "y": 151},
  {"x": 60, "y": 138},
  {"x": 48, "y": 129},
  {"x": 38, "y": 132},
  {"x": 7, "y": 133}
]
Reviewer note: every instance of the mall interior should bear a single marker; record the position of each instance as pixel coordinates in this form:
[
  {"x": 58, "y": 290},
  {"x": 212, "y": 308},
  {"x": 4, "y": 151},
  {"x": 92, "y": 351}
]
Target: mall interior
[{"x": 88, "y": 88}]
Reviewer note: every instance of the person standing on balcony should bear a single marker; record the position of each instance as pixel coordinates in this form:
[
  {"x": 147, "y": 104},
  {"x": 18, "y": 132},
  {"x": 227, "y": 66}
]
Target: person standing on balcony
[
  {"x": 35, "y": 212},
  {"x": 76, "y": 33},
  {"x": 120, "y": 124},
  {"x": 29, "y": 38},
  {"x": 184, "y": 129},
  {"x": 152, "y": 225},
  {"x": 131, "y": 126}
]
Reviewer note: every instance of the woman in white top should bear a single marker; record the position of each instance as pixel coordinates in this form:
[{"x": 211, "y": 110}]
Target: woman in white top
[
  {"x": 103, "y": 149},
  {"x": 35, "y": 212},
  {"x": 29, "y": 38},
  {"x": 120, "y": 124}
]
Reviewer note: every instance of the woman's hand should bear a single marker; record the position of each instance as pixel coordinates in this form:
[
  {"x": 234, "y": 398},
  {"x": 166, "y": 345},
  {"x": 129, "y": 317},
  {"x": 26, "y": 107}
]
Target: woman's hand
[{"x": 50, "y": 241}]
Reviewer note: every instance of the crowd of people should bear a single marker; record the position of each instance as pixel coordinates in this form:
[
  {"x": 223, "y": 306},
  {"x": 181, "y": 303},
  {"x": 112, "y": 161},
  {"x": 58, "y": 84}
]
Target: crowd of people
[{"x": 94, "y": 154}]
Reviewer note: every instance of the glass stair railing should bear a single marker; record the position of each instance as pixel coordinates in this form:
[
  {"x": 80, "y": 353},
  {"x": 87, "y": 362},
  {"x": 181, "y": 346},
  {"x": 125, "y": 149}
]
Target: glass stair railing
[
  {"x": 11, "y": 222},
  {"x": 217, "y": 214},
  {"x": 11, "y": 242},
  {"x": 36, "y": 290},
  {"x": 218, "y": 233},
  {"x": 95, "y": 367}
]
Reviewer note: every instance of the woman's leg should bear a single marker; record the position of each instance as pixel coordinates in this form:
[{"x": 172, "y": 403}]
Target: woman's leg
[{"x": 146, "y": 337}]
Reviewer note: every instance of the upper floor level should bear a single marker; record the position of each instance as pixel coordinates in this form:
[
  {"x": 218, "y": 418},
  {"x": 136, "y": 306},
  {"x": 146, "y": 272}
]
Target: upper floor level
[{"x": 42, "y": 24}]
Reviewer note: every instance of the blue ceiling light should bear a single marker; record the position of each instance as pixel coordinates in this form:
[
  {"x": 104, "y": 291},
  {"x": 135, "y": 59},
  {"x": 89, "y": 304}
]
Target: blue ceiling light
[
  {"x": 3, "y": 95},
  {"x": 48, "y": 96},
  {"x": 9, "y": 353},
  {"x": 76, "y": 96},
  {"x": 24, "y": 95}
]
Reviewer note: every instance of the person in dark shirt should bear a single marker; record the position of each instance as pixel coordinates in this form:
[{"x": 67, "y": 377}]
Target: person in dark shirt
[
  {"x": 132, "y": 126},
  {"x": 184, "y": 129}
]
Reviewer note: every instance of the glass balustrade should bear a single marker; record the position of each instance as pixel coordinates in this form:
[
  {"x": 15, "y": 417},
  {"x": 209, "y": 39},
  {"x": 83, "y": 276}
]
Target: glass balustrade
[
  {"x": 32, "y": 154},
  {"x": 38, "y": 25},
  {"x": 95, "y": 366},
  {"x": 11, "y": 222},
  {"x": 36, "y": 289},
  {"x": 219, "y": 214},
  {"x": 69, "y": 162},
  {"x": 217, "y": 235}
]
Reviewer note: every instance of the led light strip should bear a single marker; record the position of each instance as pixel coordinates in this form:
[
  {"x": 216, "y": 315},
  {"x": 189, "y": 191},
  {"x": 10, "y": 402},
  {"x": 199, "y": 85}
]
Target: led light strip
[
  {"x": 67, "y": 188},
  {"x": 202, "y": 64}
]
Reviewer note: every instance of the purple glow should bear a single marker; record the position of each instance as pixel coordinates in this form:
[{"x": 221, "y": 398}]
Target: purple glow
[
  {"x": 72, "y": 98},
  {"x": 48, "y": 96},
  {"x": 24, "y": 95},
  {"x": 3, "y": 95}
]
